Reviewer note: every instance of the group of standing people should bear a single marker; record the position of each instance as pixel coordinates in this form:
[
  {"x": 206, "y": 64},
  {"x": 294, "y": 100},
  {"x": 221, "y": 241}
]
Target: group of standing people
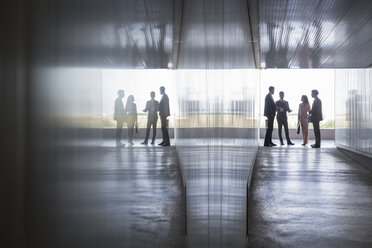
[
  {"x": 305, "y": 116},
  {"x": 129, "y": 115}
]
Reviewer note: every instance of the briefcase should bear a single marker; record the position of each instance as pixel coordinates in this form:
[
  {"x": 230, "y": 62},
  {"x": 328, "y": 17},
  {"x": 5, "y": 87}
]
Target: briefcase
[{"x": 309, "y": 119}]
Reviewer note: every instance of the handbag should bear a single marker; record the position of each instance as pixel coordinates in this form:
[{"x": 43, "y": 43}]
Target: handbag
[
  {"x": 309, "y": 119},
  {"x": 136, "y": 128},
  {"x": 298, "y": 128}
]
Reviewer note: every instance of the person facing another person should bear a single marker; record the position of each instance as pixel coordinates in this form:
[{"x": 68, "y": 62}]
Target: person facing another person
[
  {"x": 131, "y": 111},
  {"x": 316, "y": 117},
  {"x": 152, "y": 108},
  {"x": 303, "y": 111},
  {"x": 164, "y": 112},
  {"x": 282, "y": 108},
  {"x": 119, "y": 116},
  {"x": 269, "y": 112}
]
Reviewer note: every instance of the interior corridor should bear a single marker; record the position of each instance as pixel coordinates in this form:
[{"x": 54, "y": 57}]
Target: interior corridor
[{"x": 72, "y": 72}]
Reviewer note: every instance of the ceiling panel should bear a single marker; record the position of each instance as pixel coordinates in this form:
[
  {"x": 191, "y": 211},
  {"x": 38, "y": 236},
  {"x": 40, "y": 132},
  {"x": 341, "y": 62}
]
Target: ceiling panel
[
  {"x": 111, "y": 33},
  {"x": 315, "y": 33},
  {"x": 215, "y": 34}
]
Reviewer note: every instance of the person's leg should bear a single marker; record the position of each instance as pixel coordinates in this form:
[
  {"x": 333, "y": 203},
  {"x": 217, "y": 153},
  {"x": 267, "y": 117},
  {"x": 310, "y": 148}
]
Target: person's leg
[
  {"x": 166, "y": 135},
  {"x": 304, "y": 131},
  {"x": 317, "y": 133},
  {"x": 119, "y": 131},
  {"x": 148, "y": 127},
  {"x": 163, "y": 128},
  {"x": 267, "y": 136},
  {"x": 285, "y": 124},
  {"x": 130, "y": 131},
  {"x": 154, "y": 131},
  {"x": 271, "y": 127},
  {"x": 280, "y": 125},
  {"x": 269, "y": 131}
]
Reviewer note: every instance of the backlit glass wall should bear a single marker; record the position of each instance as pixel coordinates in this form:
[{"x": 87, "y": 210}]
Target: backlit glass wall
[
  {"x": 216, "y": 120},
  {"x": 353, "y": 109}
]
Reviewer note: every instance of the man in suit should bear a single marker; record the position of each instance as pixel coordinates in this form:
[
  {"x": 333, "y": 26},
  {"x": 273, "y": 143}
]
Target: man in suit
[
  {"x": 316, "y": 117},
  {"x": 152, "y": 108},
  {"x": 164, "y": 112},
  {"x": 119, "y": 116},
  {"x": 270, "y": 110},
  {"x": 282, "y": 108}
]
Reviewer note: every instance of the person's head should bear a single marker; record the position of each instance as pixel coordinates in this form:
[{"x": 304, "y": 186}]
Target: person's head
[
  {"x": 152, "y": 94},
  {"x": 281, "y": 95},
  {"x": 162, "y": 90},
  {"x": 271, "y": 90},
  {"x": 314, "y": 93},
  {"x": 130, "y": 99},
  {"x": 304, "y": 99},
  {"x": 121, "y": 93}
]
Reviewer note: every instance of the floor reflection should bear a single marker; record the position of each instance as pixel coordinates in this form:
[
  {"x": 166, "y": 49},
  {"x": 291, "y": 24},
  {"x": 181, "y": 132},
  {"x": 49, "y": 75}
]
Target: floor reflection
[
  {"x": 216, "y": 181},
  {"x": 303, "y": 197},
  {"x": 109, "y": 197}
]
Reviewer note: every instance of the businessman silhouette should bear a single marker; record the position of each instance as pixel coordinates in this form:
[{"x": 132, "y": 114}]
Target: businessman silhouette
[{"x": 270, "y": 110}]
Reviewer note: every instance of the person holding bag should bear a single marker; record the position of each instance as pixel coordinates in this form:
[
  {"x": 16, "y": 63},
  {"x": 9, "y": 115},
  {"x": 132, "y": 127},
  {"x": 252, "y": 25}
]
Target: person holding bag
[{"x": 303, "y": 111}]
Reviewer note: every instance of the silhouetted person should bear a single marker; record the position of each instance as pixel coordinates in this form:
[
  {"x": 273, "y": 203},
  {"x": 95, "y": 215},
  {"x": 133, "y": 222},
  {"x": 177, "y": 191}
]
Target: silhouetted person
[
  {"x": 131, "y": 111},
  {"x": 282, "y": 108},
  {"x": 316, "y": 117},
  {"x": 303, "y": 111},
  {"x": 119, "y": 116},
  {"x": 164, "y": 113},
  {"x": 152, "y": 108},
  {"x": 269, "y": 112}
]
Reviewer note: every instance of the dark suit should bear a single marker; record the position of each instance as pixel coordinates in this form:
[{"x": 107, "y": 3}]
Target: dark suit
[
  {"x": 152, "y": 108},
  {"x": 119, "y": 116},
  {"x": 316, "y": 117},
  {"x": 164, "y": 112},
  {"x": 281, "y": 117},
  {"x": 270, "y": 110}
]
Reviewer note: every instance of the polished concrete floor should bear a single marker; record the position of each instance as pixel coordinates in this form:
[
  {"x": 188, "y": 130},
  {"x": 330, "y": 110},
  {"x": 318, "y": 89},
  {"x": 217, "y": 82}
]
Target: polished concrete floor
[
  {"x": 303, "y": 197},
  {"x": 123, "y": 197}
]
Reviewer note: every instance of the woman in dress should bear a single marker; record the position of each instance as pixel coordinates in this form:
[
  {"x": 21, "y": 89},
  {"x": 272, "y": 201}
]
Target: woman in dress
[
  {"x": 131, "y": 110},
  {"x": 303, "y": 112}
]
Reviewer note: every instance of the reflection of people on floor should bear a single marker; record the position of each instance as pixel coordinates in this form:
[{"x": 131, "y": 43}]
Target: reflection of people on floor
[
  {"x": 316, "y": 117},
  {"x": 164, "y": 112},
  {"x": 152, "y": 108},
  {"x": 270, "y": 110},
  {"x": 131, "y": 111},
  {"x": 119, "y": 116},
  {"x": 303, "y": 111},
  {"x": 282, "y": 107}
]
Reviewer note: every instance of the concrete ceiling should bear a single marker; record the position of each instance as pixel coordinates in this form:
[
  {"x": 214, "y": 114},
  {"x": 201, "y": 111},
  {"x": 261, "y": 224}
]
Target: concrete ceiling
[
  {"x": 203, "y": 33},
  {"x": 315, "y": 33}
]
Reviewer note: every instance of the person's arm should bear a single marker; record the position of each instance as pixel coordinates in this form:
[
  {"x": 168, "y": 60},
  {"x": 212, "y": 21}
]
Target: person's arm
[
  {"x": 289, "y": 109},
  {"x": 135, "y": 112},
  {"x": 168, "y": 108},
  {"x": 308, "y": 108},
  {"x": 146, "y": 108},
  {"x": 265, "y": 107},
  {"x": 299, "y": 113},
  {"x": 277, "y": 106}
]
